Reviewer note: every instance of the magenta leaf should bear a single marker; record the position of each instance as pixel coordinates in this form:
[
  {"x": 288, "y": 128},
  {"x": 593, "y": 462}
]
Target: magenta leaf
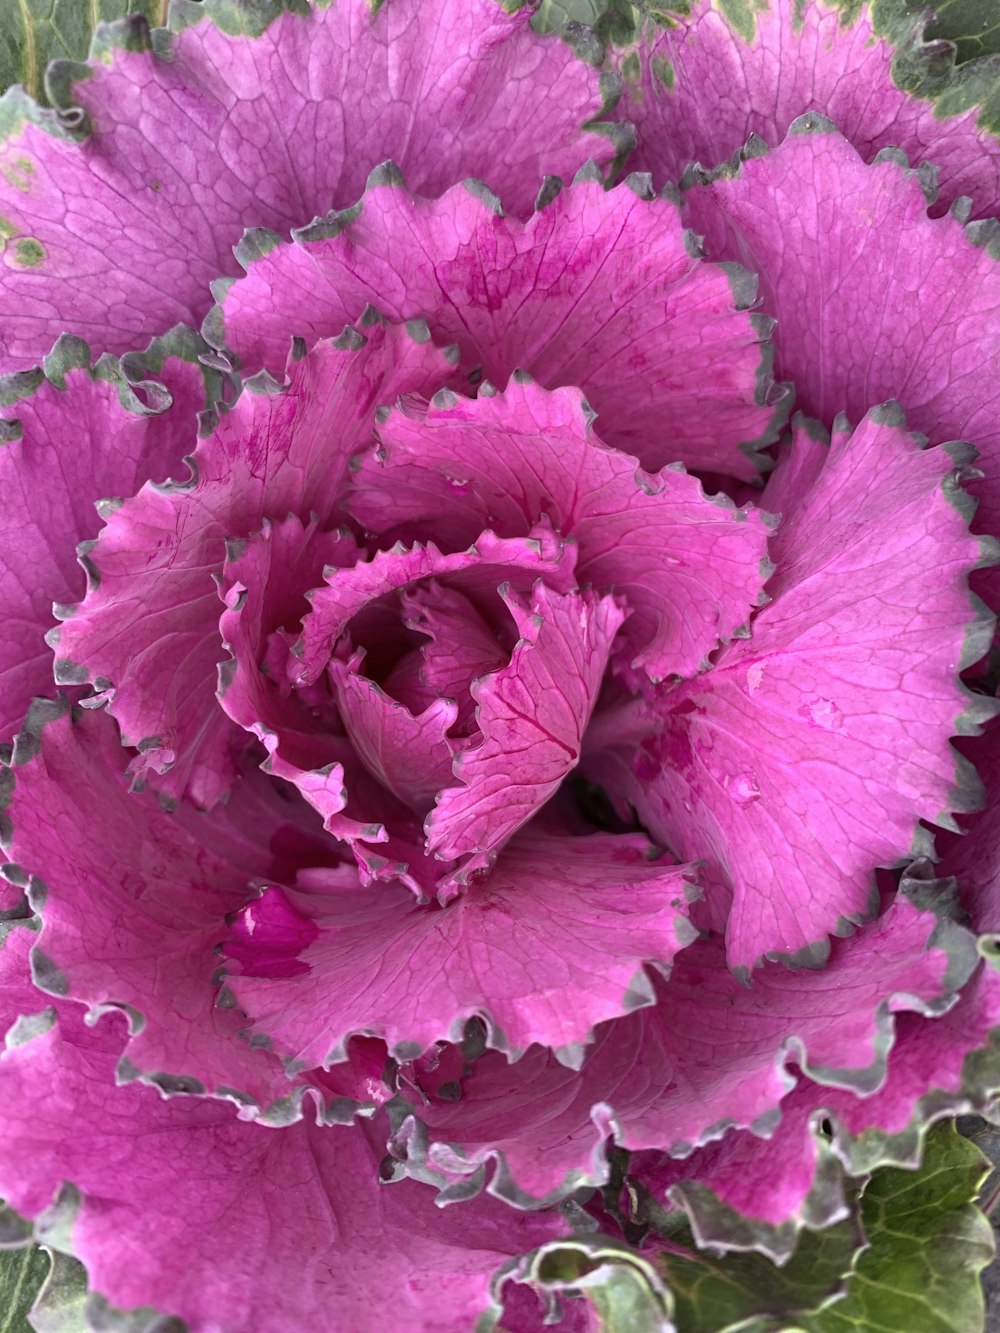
[
  {"x": 707, "y": 82},
  {"x": 710, "y": 1057},
  {"x": 459, "y": 647},
  {"x": 489, "y": 562},
  {"x": 806, "y": 756},
  {"x": 602, "y": 290},
  {"x": 410, "y": 754},
  {"x": 550, "y": 943},
  {"x": 936, "y": 1066},
  {"x": 133, "y": 904},
  {"x": 147, "y": 628},
  {"x": 180, "y": 1206},
  {"x": 934, "y": 343},
  {"x": 55, "y": 466},
  {"x": 120, "y": 207},
  {"x": 690, "y": 568},
  {"x": 531, "y": 714},
  {"x": 973, "y": 858}
]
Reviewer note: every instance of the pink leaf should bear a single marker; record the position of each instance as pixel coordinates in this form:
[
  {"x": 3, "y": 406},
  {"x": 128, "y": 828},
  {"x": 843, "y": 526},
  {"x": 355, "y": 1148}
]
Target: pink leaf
[
  {"x": 148, "y": 624},
  {"x": 704, "y": 88},
  {"x": 805, "y": 758},
  {"x": 711, "y": 1056},
  {"x": 690, "y": 568},
  {"x": 122, "y": 230},
  {"x": 598, "y": 289},
  {"x": 552, "y": 942}
]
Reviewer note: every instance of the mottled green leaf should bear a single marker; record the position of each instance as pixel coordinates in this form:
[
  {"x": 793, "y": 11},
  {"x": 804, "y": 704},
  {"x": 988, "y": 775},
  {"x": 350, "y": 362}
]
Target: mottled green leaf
[
  {"x": 33, "y": 32},
  {"x": 22, "y": 1273},
  {"x": 928, "y": 1242}
]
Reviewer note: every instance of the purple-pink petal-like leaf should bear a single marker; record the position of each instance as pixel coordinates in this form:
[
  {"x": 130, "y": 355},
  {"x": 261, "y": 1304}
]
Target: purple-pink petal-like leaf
[
  {"x": 133, "y": 904},
  {"x": 459, "y": 648},
  {"x": 703, "y": 86},
  {"x": 805, "y": 758},
  {"x": 180, "y": 1206},
  {"x": 710, "y": 1056},
  {"x": 854, "y": 327},
  {"x": 55, "y": 465},
  {"x": 410, "y": 754},
  {"x": 746, "y": 1190},
  {"x": 489, "y": 562},
  {"x": 117, "y": 231},
  {"x": 531, "y": 716},
  {"x": 599, "y": 289},
  {"x": 148, "y": 627},
  {"x": 973, "y": 858},
  {"x": 552, "y": 942},
  {"x": 690, "y": 568}
]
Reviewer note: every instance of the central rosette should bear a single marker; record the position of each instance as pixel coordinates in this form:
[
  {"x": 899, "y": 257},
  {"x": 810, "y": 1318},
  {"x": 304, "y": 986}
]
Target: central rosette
[
  {"x": 428, "y": 631},
  {"x": 496, "y": 566}
]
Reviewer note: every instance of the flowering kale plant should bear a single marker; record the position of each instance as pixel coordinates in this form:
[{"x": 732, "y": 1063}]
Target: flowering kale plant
[{"x": 497, "y": 662}]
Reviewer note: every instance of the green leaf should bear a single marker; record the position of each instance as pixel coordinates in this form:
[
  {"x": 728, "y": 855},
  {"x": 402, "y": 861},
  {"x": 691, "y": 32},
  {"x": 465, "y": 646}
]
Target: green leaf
[
  {"x": 928, "y": 1242},
  {"x": 33, "y": 32},
  {"x": 747, "y": 1291},
  {"x": 973, "y": 25},
  {"x": 61, "y": 1304},
  {"x": 22, "y": 1273}
]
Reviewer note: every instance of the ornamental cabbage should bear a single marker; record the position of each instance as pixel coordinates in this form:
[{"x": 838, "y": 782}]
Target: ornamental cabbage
[{"x": 498, "y": 568}]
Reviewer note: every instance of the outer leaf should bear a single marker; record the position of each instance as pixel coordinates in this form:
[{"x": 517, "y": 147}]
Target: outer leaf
[
  {"x": 232, "y": 1226},
  {"x": 806, "y": 756},
  {"x": 123, "y": 205},
  {"x": 936, "y": 1068},
  {"x": 973, "y": 25},
  {"x": 35, "y": 32},
  {"x": 932, "y": 344},
  {"x": 709, "y": 1056},
  {"x": 928, "y": 1243},
  {"x": 743, "y": 1293},
  {"x": 697, "y": 87},
  {"x": 974, "y": 859},
  {"x": 598, "y": 289},
  {"x": 56, "y": 464}
]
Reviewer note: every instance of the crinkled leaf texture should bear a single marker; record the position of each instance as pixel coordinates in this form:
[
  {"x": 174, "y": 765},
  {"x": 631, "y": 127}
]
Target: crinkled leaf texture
[
  {"x": 930, "y": 344},
  {"x": 927, "y": 1244},
  {"x": 710, "y": 1056},
  {"x": 179, "y": 1206},
  {"x": 121, "y": 207},
  {"x": 803, "y": 759},
  {"x": 551, "y": 943},
  {"x": 55, "y": 465},
  {"x": 278, "y": 450},
  {"x": 937, "y": 1066},
  {"x": 689, "y": 568},
  {"x": 134, "y": 904},
  {"x": 697, "y": 88},
  {"x": 598, "y": 289}
]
